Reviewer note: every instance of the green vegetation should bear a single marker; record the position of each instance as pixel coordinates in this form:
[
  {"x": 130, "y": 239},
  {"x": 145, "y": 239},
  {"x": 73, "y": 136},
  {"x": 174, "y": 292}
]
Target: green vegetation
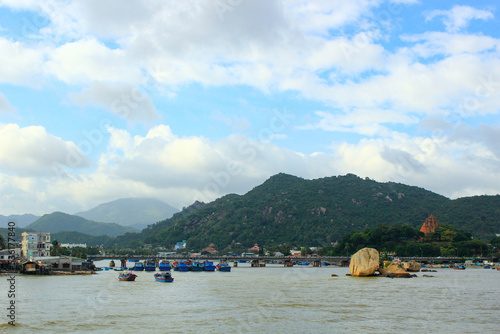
[
  {"x": 404, "y": 240},
  {"x": 3, "y": 245},
  {"x": 290, "y": 210}
]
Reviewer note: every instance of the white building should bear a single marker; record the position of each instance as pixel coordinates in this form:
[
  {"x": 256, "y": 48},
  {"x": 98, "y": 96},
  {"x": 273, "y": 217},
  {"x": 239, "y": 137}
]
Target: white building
[
  {"x": 73, "y": 245},
  {"x": 35, "y": 244}
]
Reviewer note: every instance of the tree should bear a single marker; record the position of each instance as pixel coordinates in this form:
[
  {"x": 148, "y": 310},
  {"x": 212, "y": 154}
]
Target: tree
[
  {"x": 304, "y": 251},
  {"x": 57, "y": 250},
  {"x": 495, "y": 242},
  {"x": 2, "y": 242}
]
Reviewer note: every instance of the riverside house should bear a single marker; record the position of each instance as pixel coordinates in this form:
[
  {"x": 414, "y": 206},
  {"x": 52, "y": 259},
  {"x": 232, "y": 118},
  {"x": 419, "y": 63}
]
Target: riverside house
[{"x": 61, "y": 263}]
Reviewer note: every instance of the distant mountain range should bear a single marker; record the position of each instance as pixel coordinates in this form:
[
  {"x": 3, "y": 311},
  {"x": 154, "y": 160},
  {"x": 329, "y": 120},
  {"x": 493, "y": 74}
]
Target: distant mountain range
[
  {"x": 284, "y": 209},
  {"x": 59, "y": 221},
  {"x": 112, "y": 218},
  {"x": 20, "y": 220},
  {"x": 289, "y": 209},
  {"x": 134, "y": 212}
]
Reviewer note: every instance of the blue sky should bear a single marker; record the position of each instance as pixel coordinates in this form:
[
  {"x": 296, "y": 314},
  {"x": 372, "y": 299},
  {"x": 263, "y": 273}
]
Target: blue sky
[{"x": 191, "y": 100}]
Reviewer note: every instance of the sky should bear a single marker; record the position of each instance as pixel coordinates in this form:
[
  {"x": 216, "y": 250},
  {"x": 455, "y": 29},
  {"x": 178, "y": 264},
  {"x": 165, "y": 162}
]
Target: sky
[{"x": 191, "y": 100}]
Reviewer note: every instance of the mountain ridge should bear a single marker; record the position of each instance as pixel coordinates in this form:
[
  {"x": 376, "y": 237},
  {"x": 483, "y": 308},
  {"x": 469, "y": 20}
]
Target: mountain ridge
[
  {"x": 135, "y": 212},
  {"x": 60, "y": 221},
  {"x": 21, "y": 221},
  {"x": 290, "y": 209}
]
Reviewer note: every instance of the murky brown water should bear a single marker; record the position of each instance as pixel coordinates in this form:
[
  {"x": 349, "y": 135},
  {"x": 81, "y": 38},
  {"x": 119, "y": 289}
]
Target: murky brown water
[{"x": 257, "y": 300}]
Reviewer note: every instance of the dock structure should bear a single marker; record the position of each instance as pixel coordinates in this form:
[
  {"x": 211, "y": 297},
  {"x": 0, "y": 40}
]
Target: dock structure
[{"x": 261, "y": 261}]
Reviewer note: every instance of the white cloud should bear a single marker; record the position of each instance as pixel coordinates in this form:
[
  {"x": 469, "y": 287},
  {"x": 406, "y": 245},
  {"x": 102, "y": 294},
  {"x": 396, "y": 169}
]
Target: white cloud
[
  {"x": 18, "y": 62},
  {"x": 124, "y": 100},
  {"x": 367, "y": 122},
  {"x": 444, "y": 44},
  {"x": 32, "y": 151},
  {"x": 334, "y": 52},
  {"x": 5, "y": 106},
  {"x": 459, "y": 16},
  {"x": 180, "y": 170},
  {"x": 88, "y": 60}
]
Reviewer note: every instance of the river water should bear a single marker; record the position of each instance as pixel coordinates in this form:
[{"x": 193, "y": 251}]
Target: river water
[{"x": 256, "y": 300}]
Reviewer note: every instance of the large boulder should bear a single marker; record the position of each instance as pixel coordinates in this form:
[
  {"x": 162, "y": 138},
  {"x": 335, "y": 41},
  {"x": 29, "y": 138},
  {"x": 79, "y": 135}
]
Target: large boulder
[
  {"x": 365, "y": 262},
  {"x": 412, "y": 266},
  {"x": 395, "y": 269}
]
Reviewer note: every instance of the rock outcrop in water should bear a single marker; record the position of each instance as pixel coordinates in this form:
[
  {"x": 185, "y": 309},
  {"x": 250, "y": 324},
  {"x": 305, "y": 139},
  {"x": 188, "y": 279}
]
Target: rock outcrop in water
[
  {"x": 364, "y": 262},
  {"x": 412, "y": 266},
  {"x": 395, "y": 269}
]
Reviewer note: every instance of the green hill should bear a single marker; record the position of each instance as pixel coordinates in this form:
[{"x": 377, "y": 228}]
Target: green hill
[
  {"x": 479, "y": 215},
  {"x": 288, "y": 209},
  {"x": 59, "y": 221}
]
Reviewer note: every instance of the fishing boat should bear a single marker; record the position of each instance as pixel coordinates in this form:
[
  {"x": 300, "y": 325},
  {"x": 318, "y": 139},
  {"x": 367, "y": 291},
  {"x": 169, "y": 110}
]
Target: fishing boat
[
  {"x": 181, "y": 266},
  {"x": 138, "y": 266},
  {"x": 149, "y": 265},
  {"x": 164, "y": 277},
  {"x": 127, "y": 276},
  {"x": 460, "y": 267},
  {"x": 223, "y": 267},
  {"x": 208, "y": 266},
  {"x": 196, "y": 266},
  {"x": 164, "y": 265}
]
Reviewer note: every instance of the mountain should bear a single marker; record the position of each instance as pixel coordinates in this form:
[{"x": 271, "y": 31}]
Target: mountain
[
  {"x": 135, "y": 212},
  {"x": 20, "y": 220},
  {"x": 289, "y": 209},
  {"x": 59, "y": 221}
]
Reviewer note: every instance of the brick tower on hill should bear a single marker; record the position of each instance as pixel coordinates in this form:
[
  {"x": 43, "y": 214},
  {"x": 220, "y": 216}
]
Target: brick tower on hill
[{"x": 430, "y": 225}]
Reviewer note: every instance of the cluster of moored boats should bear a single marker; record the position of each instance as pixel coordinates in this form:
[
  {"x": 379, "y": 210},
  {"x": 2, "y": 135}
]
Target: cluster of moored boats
[
  {"x": 165, "y": 268},
  {"x": 150, "y": 265}
]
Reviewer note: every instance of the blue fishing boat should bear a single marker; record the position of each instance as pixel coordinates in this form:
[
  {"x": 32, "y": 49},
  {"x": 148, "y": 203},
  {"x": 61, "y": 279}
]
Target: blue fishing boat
[
  {"x": 164, "y": 277},
  {"x": 149, "y": 265},
  {"x": 138, "y": 266},
  {"x": 127, "y": 276},
  {"x": 223, "y": 267},
  {"x": 208, "y": 266},
  {"x": 164, "y": 265},
  {"x": 181, "y": 266},
  {"x": 196, "y": 266}
]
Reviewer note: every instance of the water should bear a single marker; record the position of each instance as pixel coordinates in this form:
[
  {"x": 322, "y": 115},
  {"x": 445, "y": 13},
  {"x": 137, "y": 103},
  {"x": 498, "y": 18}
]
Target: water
[{"x": 257, "y": 300}]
